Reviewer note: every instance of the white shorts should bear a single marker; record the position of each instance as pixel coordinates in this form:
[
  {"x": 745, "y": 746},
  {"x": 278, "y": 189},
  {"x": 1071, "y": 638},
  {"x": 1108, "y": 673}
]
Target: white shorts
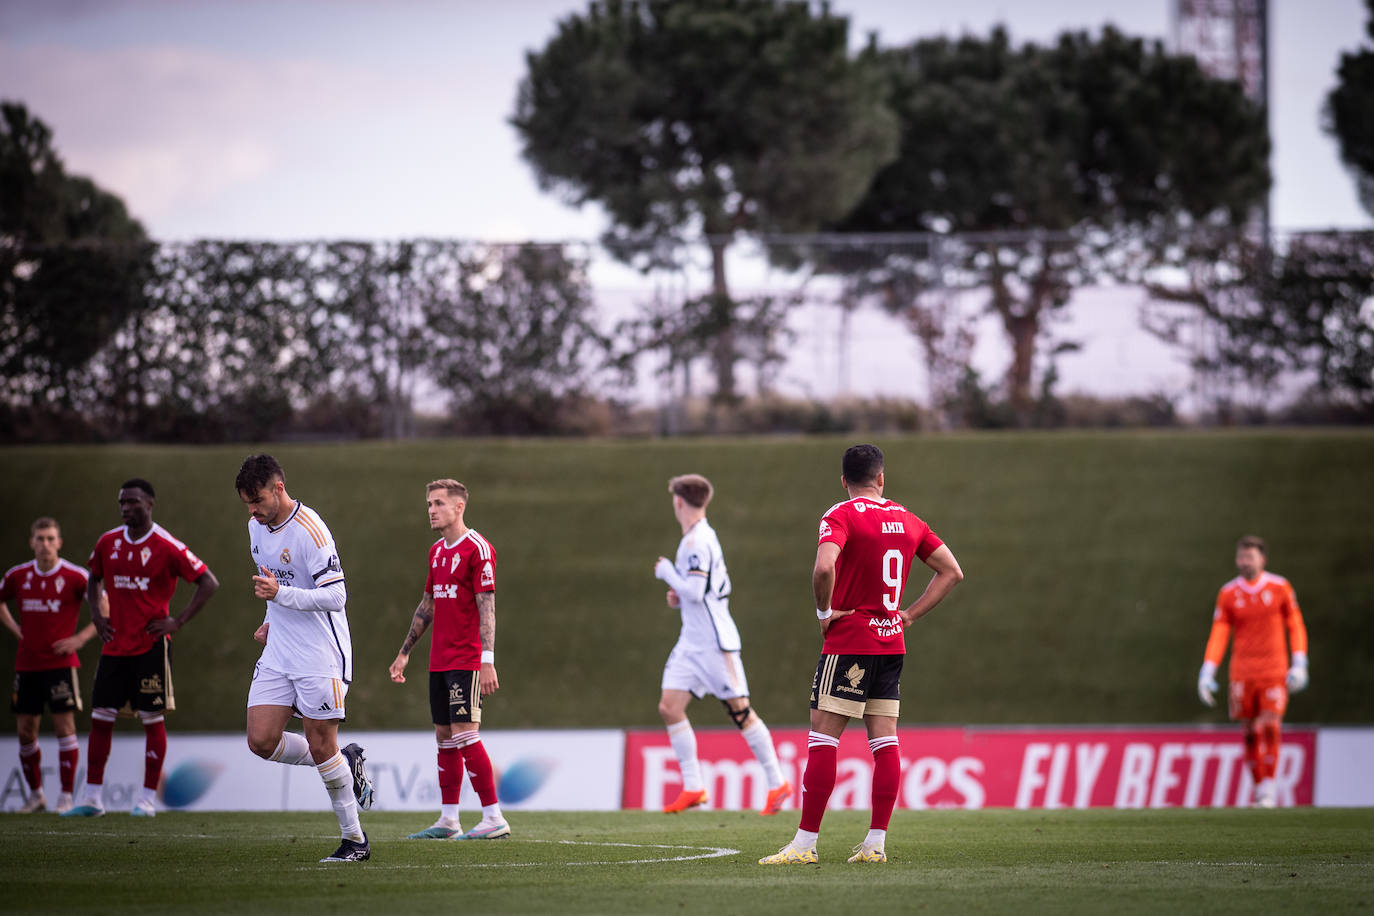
[
  {"x": 311, "y": 696},
  {"x": 706, "y": 671}
]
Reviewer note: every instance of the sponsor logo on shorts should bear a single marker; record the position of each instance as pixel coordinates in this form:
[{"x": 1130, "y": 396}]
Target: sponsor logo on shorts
[{"x": 853, "y": 675}]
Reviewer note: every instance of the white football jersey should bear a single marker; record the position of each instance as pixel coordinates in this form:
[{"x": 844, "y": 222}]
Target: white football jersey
[
  {"x": 706, "y": 624},
  {"x": 300, "y": 552}
]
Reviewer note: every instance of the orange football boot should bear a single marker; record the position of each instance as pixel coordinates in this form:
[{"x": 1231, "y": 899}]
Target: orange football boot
[
  {"x": 776, "y": 797},
  {"x": 684, "y": 801}
]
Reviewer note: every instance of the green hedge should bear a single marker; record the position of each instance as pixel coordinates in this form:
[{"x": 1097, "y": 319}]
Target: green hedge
[{"x": 1092, "y": 561}]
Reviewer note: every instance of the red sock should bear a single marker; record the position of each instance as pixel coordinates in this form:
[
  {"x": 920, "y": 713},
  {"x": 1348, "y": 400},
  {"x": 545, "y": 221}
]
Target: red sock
[
  {"x": 156, "y": 733},
  {"x": 1252, "y": 759},
  {"x": 68, "y": 755},
  {"x": 450, "y": 774},
  {"x": 98, "y": 750},
  {"x": 479, "y": 771},
  {"x": 1268, "y": 750},
  {"x": 887, "y": 776},
  {"x": 31, "y": 762},
  {"x": 818, "y": 781}
]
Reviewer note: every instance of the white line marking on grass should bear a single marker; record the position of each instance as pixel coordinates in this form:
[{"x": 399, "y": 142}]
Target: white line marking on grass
[{"x": 710, "y": 852}]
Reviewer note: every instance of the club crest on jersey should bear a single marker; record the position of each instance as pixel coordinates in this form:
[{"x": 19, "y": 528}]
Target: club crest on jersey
[
  {"x": 453, "y": 564},
  {"x": 59, "y": 583},
  {"x": 488, "y": 574},
  {"x": 285, "y": 556},
  {"x": 145, "y": 555},
  {"x": 1264, "y": 596}
]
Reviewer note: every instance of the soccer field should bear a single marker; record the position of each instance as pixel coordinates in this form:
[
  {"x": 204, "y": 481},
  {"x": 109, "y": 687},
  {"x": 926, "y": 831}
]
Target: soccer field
[{"x": 992, "y": 861}]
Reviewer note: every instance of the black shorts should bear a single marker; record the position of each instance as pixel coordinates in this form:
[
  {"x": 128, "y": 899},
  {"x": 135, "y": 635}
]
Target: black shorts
[
  {"x": 140, "y": 683},
  {"x": 55, "y": 687},
  {"x": 858, "y": 685},
  {"x": 454, "y": 696}
]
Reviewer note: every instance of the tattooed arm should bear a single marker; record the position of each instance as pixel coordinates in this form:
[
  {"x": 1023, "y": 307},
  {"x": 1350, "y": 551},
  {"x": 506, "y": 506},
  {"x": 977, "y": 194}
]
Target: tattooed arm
[
  {"x": 486, "y": 625},
  {"x": 424, "y": 614}
]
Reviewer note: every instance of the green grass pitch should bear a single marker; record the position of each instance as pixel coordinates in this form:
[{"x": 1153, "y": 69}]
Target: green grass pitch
[{"x": 1173, "y": 861}]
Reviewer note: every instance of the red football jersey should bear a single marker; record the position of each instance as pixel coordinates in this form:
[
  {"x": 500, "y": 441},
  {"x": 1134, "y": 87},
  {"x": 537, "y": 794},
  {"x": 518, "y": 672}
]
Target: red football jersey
[
  {"x": 48, "y": 606},
  {"x": 457, "y": 572},
  {"x": 140, "y": 579},
  {"x": 878, "y": 540}
]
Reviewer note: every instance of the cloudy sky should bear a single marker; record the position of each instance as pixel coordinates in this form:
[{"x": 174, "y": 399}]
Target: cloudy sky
[{"x": 307, "y": 118}]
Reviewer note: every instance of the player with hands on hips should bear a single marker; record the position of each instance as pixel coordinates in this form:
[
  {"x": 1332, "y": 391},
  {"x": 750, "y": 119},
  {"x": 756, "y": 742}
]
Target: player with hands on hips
[
  {"x": 866, "y": 549},
  {"x": 133, "y": 572}
]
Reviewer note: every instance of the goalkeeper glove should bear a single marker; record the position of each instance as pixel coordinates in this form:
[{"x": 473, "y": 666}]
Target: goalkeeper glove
[
  {"x": 1297, "y": 674},
  {"x": 1207, "y": 684}
]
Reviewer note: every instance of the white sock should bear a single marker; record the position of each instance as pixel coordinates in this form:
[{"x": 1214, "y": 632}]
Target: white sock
[
  {"x": 875, "y": 839},
  {"x": 92, "y": 796},
  {"x": 293, "y": 750},
  {"x": 804, "y": 839},
  {"x": 492, "y": 813},
  {"x": 338, "y": 780},
  {"x": 684, "y": 742},
  {"x": 760, "y": 741},
  {"x": 148, "y": 795},
  {"x": 448, "y": 813}
]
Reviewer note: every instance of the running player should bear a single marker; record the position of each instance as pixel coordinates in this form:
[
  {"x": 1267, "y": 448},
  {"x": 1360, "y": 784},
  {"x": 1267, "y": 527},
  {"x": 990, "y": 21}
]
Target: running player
[
  {"x": 1260, "y": 608},
  {"x": 307, "y": 656},
  {"x": 460, "y": 599},
  {"x": 706, "y": 658},
  {"x": 137, "y": 566},
  {"x": 48, "y": 592},
  {"x": 867, "y": 544}
]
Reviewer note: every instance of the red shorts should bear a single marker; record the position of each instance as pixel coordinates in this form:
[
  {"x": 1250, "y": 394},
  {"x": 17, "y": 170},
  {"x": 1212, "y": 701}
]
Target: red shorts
[{"x": 1250, "y": 698}]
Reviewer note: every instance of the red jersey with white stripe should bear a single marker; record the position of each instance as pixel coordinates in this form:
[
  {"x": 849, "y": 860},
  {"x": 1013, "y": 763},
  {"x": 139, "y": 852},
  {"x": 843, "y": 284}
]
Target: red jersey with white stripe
[
  {"x": 457, "y": 573},
  {"x": 48, "y": 606},
  {"x": 1259, "y": 615},
  {"x": 140, "y": 578},
  {"x": 878, "y": 540}
]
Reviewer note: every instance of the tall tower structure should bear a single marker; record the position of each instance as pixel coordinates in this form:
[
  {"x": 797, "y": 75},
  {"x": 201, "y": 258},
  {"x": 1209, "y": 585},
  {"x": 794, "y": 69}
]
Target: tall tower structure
[{"x": 1230, "y": 39}]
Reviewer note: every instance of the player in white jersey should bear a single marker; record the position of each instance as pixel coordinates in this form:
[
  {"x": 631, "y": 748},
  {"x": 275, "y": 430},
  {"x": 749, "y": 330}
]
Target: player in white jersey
[
  {"x": 706, "y": 659},
  {"x": 307, "y": 659}
]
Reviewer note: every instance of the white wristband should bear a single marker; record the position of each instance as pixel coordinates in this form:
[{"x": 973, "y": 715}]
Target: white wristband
[
  {"x": 823, "y": 615},
  {"x": 488, "y": 657}
]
